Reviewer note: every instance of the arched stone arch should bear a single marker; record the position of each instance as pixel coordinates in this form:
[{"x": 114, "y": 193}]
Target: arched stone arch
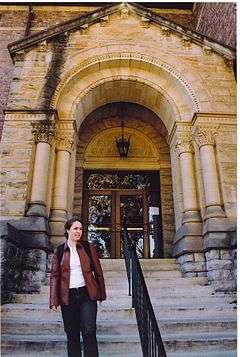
[{"x": 93, "y": 73}]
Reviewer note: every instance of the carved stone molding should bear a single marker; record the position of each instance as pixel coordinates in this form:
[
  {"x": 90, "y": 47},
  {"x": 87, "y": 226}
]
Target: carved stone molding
[
  {"x": 132, "y": 56},
  {"x": 124, "y": 12},
  {"x": 166, "y": 31},
  {"x": 42, "y": 47},
  {"x": 64, "y": 142},
  {"x": 84, "y": 29},
  {"x": 204, "y": 135},
  {"x": 208, "y": 51},
  {"x": 184, "y": 143},
  {"x": 19, "y": 56},
  {"x": 145, "y": 22},
  {"x": 186, "y": 42},
  {"x": 43, "y": 131},
  {"x": 104, "y": 21}
]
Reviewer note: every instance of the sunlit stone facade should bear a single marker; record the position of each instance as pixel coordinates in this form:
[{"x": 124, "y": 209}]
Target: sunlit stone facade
[{"x": 179, "y": 92}]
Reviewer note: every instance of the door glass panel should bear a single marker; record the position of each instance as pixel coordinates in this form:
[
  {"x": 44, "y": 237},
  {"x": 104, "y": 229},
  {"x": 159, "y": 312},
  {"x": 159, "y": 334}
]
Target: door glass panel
[
  {"x": 119, "y": 180},
  {"x": 131, "y": 207},
  {"x": 99, "y": 218}
]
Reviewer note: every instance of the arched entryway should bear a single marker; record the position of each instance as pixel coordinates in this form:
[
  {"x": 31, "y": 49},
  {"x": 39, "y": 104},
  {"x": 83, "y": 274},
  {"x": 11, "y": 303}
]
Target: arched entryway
[{"x": 139, "y": 187}]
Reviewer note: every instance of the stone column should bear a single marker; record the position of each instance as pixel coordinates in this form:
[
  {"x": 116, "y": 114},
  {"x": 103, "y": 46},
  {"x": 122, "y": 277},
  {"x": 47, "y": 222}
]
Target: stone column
[
  {"x": 204, "y": 137},
  {"x": 217, "y": 229},
  {"x": 184, "y": 149},
  {"x": 64, "y": 145},
  {"x": 188, "y": 239},
  {"x": 43, "y": 132}
]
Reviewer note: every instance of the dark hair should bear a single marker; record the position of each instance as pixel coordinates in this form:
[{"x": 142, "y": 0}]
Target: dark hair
[{"x": 70, "y": 222}]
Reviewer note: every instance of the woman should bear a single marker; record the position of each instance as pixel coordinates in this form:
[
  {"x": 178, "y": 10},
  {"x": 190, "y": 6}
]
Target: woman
[{"x": 76, "y": 283}]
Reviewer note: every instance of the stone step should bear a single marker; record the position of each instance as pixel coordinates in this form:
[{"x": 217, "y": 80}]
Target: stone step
[
  {"x": 36, "y": 311},
  {"x": 125, "y": 299},
  {"x": 40, "y": 326},
  {"x": 161, "y": 274},
  {"x": 227, "y": 353},
  {"x": 126, "y": 343},
  {"x": 117, "y": 264}
]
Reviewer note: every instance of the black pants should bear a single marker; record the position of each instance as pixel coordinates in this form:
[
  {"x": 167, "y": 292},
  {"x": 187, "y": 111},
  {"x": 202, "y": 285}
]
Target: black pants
[{"x": 80, "y": 315}]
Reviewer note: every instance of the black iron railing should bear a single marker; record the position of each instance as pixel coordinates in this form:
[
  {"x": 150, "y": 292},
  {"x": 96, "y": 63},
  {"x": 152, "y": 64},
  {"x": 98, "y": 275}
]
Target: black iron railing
[{"x": 151, "y": 341}]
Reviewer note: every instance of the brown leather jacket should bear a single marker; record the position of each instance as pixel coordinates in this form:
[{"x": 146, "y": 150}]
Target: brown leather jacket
[{"x": 60, "y": 276}]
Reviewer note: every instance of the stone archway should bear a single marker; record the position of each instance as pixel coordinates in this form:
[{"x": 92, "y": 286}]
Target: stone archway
[{"x": 149, "y": 151}]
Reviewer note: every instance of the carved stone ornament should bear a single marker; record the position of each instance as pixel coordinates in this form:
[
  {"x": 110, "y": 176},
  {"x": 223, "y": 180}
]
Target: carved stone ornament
[
  {"x": 124, "y": 12},
  {"x": 43, "y": 131},
  {"x": 205, "y": 135},
  {"x": 165, "y": 31},
  {"x": 104, "y": 21},
  {"x": 64, "y": 142},
  {"x": 19, "y": 56},
  {"x": 207, "y": 50},
  {"x": 145, "y": 22},
  {"x": 186, "y": 41},
  {"x": 184, "y": 144}
]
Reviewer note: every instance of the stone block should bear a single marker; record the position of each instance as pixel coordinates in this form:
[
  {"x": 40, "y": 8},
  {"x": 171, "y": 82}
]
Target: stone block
[
  {"x": 185, "y": 258},
  {"x": 199, "y": 257},
  {"x": 202, "y": 273},
  {"x": 193, "y": 267},
  {"x": 190, "y": 275},
  {"x": 35, "y": 259},
  {"x": 220, "y": 274},
  {"x": 225, "y": 254},
  {"x": 212, "y": 254},
  {"x": 219, "y": 264},
  {"x": 32, "y": 281}
]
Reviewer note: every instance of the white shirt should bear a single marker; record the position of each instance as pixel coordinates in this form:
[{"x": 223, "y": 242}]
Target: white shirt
[{"x": 76, "y": 275}]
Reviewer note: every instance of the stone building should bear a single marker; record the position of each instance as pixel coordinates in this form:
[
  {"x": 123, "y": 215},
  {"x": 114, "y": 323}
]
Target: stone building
[{"x": 79, "y": 78}]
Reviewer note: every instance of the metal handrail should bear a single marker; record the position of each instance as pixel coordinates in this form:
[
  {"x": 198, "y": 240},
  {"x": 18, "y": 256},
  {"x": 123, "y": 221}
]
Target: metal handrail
[{"x": 151, "y": 341}]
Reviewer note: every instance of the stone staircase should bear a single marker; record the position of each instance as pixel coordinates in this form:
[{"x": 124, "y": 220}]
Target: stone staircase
[{"x": 194, "y": 321}]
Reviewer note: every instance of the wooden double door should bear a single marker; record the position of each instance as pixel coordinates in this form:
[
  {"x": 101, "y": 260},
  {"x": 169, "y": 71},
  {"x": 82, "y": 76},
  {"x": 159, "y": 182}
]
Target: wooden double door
[{"x": 103, "y": 214}]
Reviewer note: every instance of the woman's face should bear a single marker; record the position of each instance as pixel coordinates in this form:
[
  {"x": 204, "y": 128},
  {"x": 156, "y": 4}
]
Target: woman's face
[{"x": 75, "y": 232}]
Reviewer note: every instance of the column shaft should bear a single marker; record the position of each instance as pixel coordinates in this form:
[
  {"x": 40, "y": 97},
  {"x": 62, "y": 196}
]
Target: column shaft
[
  {"x": 188, "y": 182},
  {"x": 61, "y": 181},
  {"x": 40, "y": 177},
  {"x": 210, "y": 179}
]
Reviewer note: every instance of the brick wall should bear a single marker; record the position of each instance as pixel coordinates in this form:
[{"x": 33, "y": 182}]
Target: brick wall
[{"x": 217, "y": 20}]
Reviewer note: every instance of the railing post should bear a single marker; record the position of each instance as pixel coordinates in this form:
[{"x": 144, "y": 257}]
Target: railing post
[{"x": 151, "y": 341}]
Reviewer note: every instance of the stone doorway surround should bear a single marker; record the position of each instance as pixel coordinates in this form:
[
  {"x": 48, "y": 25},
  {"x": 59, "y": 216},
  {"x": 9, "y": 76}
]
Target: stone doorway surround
[{"x": 63, "y": 74}]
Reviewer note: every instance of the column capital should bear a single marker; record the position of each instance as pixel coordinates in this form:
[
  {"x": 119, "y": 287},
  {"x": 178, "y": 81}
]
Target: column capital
[
  {"x": 205, "y": 135},
  {"x": 184, "y": 143},
  {"x": 43, "y": 131},
  {"x": 64, "y": 142}
]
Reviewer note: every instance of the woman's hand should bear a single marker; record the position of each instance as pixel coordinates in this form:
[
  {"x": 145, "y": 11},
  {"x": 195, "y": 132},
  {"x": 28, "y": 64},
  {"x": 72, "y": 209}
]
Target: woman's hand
[{"x": 54, "y": 308}]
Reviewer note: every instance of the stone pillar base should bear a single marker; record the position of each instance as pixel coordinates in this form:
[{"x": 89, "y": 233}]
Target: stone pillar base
[
  {"x": 188, "y": 249},
  {"x": 37, "y": 208},
  {"x": 218, "y": 233},
  {"x": 220, "y": 269},
  {"x": 191, "y": 216},
  {"x": 57, "y": 230},
  {"x": 192, "y": 264},
  {"x": 213, "y": 212},
  {"x": 188, "y": 239},
  {"x": 26, "y": 247}
]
